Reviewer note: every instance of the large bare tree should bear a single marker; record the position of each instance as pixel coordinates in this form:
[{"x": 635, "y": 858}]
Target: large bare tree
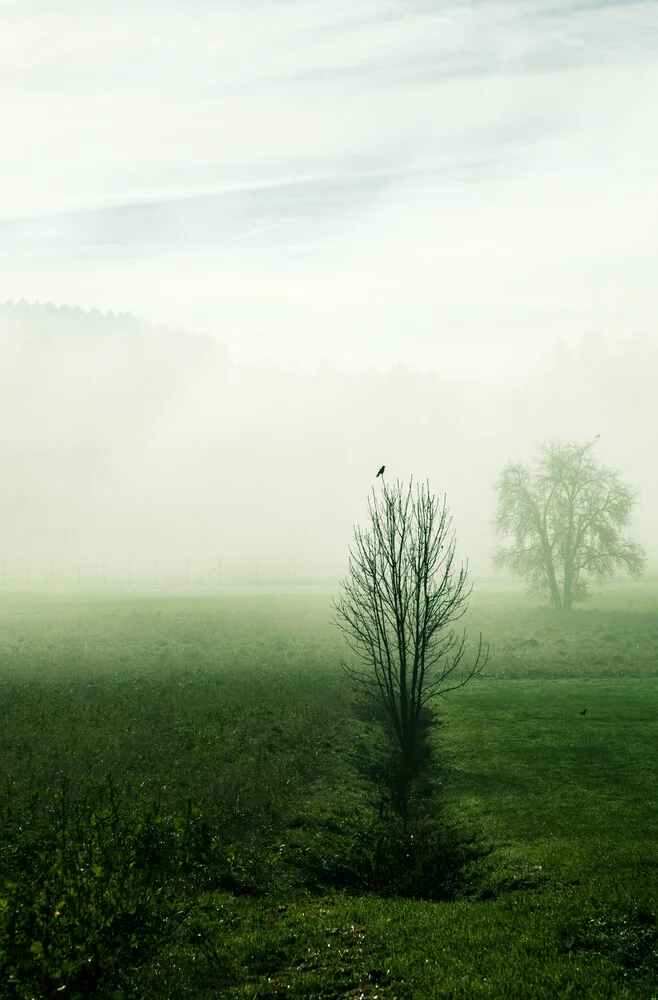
[
  {"x": 399, "y": 604},
  {"x": 565, "y": 517}
]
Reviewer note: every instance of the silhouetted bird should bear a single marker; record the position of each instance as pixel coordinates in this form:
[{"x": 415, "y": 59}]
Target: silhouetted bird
[
  {"x": 381, "y": 472},
  {"x": 584, "y": 712}
]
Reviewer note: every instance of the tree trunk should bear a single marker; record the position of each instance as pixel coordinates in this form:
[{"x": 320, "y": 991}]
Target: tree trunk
[
  {"x": 556, "y": 599},
  {"x": 568, "y": 587}
]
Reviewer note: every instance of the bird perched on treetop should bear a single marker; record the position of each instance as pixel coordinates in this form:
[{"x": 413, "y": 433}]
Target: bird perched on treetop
[{"x": 381, "y": 472}]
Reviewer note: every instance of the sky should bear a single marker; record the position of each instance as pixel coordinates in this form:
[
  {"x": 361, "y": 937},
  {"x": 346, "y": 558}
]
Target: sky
[{"x": 395, "y": 180}]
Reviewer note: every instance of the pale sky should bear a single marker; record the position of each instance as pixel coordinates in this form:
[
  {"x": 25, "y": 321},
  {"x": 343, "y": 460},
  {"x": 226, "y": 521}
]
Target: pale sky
[{"x": 448, "y": 185}]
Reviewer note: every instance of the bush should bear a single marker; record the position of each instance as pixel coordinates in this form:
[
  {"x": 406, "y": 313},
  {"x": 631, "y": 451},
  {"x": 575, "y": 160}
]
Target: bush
[{"x": 79, "y": 898}]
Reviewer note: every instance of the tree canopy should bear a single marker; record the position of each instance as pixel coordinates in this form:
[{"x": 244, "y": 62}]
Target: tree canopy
[{"x": 566, "y": 516}]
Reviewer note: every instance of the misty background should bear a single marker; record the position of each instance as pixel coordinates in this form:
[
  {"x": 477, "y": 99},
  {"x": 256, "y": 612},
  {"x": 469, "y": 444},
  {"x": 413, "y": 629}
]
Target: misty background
[
  {"x": 131, "y": 452},
  {"x": 277, "y": 245}
]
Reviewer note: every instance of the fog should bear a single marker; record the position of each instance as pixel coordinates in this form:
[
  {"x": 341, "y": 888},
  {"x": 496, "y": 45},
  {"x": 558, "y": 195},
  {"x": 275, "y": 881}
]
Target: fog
[
  {"x": 135, "y": 454},
  {"x": 283, "y": 244}
]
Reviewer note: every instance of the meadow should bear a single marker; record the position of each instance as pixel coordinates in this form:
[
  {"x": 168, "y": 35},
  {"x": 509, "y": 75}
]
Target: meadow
[{"x": 190, "y": 804}]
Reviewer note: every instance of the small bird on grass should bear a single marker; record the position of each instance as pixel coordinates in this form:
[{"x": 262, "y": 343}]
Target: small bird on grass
[
  {"x": 381, "y": 472},
  {"x": 584, "y": 712}
]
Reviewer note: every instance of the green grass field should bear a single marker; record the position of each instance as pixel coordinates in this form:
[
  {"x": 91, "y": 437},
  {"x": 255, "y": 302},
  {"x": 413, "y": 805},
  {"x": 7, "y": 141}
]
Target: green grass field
[{"x": 188, "y": 807}]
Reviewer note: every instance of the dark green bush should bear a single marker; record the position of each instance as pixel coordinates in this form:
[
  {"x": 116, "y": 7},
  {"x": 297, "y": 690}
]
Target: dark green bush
[{"x": 82, "y": 892}]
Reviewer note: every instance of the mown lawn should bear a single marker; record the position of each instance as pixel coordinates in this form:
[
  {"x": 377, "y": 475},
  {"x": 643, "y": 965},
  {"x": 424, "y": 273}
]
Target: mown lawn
[{"x": 188, "y": 806}]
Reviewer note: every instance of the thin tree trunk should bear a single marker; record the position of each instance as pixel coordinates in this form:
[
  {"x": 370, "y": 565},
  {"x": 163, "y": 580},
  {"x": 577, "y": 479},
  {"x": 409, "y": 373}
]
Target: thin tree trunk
[
  {"x": 568, "y": 581},
  {"x": 556, "y": 599}
]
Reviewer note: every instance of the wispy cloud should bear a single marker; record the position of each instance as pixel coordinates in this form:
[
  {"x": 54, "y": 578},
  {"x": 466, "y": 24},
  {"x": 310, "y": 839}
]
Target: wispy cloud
[
  {"x": 171, "y": 225},
  {"x": 308, "y": 179}
]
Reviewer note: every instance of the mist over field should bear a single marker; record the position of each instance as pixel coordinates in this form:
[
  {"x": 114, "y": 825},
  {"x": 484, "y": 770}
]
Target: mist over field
[{"x": 133, "y": 453}]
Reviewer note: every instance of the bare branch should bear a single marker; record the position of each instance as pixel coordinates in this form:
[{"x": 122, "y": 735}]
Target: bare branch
[{"x": 399, "y": 604}]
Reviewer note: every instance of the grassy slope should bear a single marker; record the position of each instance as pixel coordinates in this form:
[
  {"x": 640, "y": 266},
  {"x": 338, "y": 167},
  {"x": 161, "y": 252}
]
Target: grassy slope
[{"x": 236, "y": 702}]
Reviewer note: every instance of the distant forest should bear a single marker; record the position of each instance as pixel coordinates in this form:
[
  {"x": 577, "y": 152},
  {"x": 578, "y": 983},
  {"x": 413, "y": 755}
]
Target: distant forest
[{"x": 124, "y": 445}]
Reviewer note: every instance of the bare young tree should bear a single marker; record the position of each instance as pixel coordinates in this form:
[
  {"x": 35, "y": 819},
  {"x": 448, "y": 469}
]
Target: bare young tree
[
  {"x": 398, "y": 605},
  {"x": 565, "y": 518}
]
